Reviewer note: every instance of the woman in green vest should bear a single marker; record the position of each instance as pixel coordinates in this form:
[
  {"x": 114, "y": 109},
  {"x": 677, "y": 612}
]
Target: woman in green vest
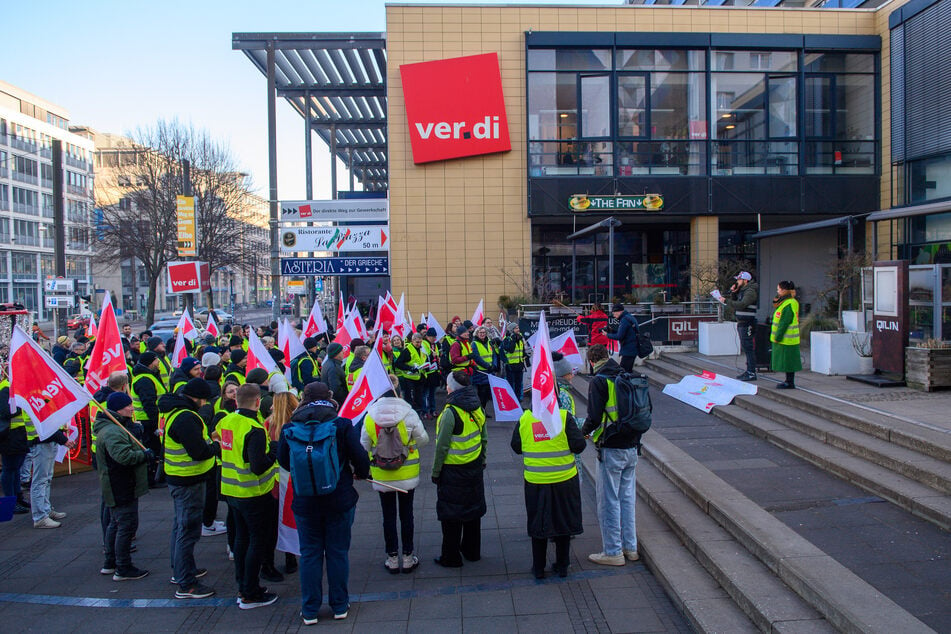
[
  {"x": 552, "y": 487},
  {"x": 391, "y": 424},
  {"x": 785, "y": 334}
]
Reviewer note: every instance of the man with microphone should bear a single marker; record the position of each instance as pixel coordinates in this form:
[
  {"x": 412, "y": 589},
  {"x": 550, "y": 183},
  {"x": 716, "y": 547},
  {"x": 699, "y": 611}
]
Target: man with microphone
[{"x": 741, "y": 306}]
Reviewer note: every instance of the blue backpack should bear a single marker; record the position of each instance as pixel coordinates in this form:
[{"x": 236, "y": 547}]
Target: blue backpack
[{"x": 315, "y": 463}]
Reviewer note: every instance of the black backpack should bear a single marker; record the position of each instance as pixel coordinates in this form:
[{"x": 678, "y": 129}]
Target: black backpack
[{"x": 633, "y": 407}]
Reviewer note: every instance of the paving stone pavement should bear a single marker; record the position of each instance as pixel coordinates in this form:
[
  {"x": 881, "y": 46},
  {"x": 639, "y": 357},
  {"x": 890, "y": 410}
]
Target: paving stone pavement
[{"x": 49, "y": 579}]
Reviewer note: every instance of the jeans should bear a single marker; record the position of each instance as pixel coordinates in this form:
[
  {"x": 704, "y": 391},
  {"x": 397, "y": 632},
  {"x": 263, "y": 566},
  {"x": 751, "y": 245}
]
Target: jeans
[
  {"x": 252, "y": 517},
  {"x": 186, "y": 530},
  {"x": 628, "y": 362},
  {"x": 429, "y": 397},
  {"x": 26, "y": 469},
  {"x": 746, "y": 328},
  {"x": 10, "y": 475},
  {"x": 44, "y": 457},
  {"x": 616, "y": 495},
  {"x": 105, "y": 519},
  {"x": 389, "y": 502},
  {"x": 122, "y": 527},
  {"x": 514, "y": 373},
  {"x": 324, "y": 535}
]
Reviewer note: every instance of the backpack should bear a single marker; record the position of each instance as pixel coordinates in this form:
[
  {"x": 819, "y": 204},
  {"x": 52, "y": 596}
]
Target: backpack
[
  {"x": 389, "y": 453},
  {"x": 315, "y": 463},
  {"x": 633, "y": 407},
  {"x": 444, "y": 364}
]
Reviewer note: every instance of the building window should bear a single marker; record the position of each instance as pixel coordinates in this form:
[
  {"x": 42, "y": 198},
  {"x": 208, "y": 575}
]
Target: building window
[
  {"x": 4, "y": 197},
  {"x": 4, "y": 265},
  {"x": 26, "y": 233},
  {"x": 4, "y": 231},
  {"x": 25, "y": 201},
  {"x": 24, "y": 264},
  {"x": 930, "y": 179}
]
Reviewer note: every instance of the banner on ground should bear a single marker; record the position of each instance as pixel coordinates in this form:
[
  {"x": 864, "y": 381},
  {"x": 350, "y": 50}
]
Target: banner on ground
[{"x": 706, "y": 390}]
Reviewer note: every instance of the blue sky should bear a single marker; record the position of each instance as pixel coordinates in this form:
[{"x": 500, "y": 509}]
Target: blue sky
[{"x": 118, "y": 65}]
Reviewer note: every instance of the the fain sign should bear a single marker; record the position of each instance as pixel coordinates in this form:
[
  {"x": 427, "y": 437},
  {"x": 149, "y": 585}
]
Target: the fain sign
[{"x": 455, "y": 108}]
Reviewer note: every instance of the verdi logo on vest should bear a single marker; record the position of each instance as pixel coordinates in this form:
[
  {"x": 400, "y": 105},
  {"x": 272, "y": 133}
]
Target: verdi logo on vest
[
  {"x": 455, "y": 107},
  {"x": 539, "y": 433},
  {"x": 227, "y": 439}
]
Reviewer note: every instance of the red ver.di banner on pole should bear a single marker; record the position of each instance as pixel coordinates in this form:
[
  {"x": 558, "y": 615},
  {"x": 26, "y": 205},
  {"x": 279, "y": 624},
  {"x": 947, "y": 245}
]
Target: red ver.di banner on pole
[
  {"x": 455, "y": 108},
  {"x": 188, "y": 277}
]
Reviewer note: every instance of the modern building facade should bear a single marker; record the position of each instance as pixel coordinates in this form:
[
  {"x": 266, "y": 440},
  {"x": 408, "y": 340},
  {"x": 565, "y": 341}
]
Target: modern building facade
[
  {"x": 28, "y": 126},
  {"x": 740, "y": 119}
]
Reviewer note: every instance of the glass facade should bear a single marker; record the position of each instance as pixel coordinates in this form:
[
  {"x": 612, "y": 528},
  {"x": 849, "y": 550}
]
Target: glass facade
[{"x": 627, "y": 112}]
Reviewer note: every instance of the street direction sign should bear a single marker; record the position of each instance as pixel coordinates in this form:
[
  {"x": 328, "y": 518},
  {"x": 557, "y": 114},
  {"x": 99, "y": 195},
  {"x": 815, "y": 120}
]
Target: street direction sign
[
  {"x": 354, "y": 210},
  {"x": 60, "y": 301},
  {"x": 335, "y": 266},
  {"x": 59, "y": 285},
  {"x": 341, "y": 239}
]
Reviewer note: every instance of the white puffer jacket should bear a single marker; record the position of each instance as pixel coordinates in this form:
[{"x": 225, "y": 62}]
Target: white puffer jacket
[{"x": 387, "y": 411}]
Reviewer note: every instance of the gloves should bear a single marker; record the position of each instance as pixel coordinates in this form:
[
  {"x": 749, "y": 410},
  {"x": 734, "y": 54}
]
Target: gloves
[
  {"x": 435, "y": 480},
  {"x": 149, "y": 456}
]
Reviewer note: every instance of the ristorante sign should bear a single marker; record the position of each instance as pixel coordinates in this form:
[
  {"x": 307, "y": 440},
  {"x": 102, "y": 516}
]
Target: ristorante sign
[{"x": 455, "y": 108}]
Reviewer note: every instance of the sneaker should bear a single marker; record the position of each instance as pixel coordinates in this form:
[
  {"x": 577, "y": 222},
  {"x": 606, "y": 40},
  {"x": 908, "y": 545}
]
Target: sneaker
[
  {"x": 216, "y": 528},
  {"x": 786, "y": 385},
  {"x": 392, "y": 564},
  {"x": 261, "y": 600},
  {"x": 308, "y": 621},
  {"x": 238, "y": 598},
  {"x": 130, "y": 575},
  {"x": 107, "y": 569},
  {"x": 57, "y": 515},
  {"x": 747, "y": 376},
  {"x": 47, "y": 522},
  {"x": 230, "y": 554},
  {"x": 410, "y": 562},
  {"x": 607, "y": 560},
  {"x": 197, "y": 591},
  {"x": 342, "y": 615},
  {"x": 631, "y": 555},
  {"x": 201, "y": 572}
]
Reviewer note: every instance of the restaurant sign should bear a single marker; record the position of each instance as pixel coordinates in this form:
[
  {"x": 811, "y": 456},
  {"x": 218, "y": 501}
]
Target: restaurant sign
[{"x": 644, "y": 202}]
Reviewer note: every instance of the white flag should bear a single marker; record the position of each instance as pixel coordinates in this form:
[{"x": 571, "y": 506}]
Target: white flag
[
  {"x": 431, "y": 322},
  {"x": 479, "y": 315},
  {"x": 544, "y": 387},
  {"x": 504, "y": 400},
  {"x": 567, "y": 345},
  {"x": 289, "y": 344},
  {"x": 186, "y": 326},
  {"x": 258, "y": 356},
  {"x": 288, "y": 539},
  {"x": 180, "y": 351},
  {"x": 212, "y": 327},
  {"x": 372, "y": 382},
  {"x": 315, "y": 324}
]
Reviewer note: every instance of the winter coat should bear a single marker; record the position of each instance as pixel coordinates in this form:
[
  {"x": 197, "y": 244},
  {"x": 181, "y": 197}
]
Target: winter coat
[
  {"x": 597, "y": 401},
  {"x": 386, "y": 412},
  {"x": 331, "y": 373},
  {"x": 353, "y": 461},
  {"x": 626, "y": 335},
  {"x": 554, "y": 509},
  {"x": 743, "y": 300},
  {"x": 187, "y": 431},
  {"x": 596, "y": 321},
  {"x": 785, "y": 358},
  {"x": 460, "y": 493},
  {"x": 145, "y": 390},
  {"x": 123, "y": 468}
]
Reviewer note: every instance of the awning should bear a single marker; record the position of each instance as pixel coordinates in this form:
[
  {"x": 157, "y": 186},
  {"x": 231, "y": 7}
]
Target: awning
[
  {"x": 806, "y": 226},
  {"x": 915, "y": 210}
]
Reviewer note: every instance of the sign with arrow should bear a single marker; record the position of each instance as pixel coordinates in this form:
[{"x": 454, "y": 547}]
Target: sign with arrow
[
  {"x": 354, "y": 238},
  {"x": 335, "y": 266}
]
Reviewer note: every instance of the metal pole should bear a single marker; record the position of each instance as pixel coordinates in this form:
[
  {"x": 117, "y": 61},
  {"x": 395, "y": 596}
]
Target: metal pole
[
  {"x": 574, "y": 268},
  {"x": 272, "y": 179},
  {"x": 610, "y": 262},
  {"x": 308, "y": 152},
  {"x": 333, "y": 162},
  {"x": 350, "y": 165},
  {"x": 59, "y": 228}
]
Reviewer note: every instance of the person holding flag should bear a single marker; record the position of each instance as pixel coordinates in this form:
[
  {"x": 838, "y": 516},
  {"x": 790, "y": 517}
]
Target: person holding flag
[
  {"x": 514, "y": 348},
  {"x": 617, "y": 460},
  {"x": 304, "y": 367},
  {"x": 432, "y": 379},
  {"x": 457, "y": 472},
  {"x": 147, "y": 387},
  {"x": 485, "y": 362}
]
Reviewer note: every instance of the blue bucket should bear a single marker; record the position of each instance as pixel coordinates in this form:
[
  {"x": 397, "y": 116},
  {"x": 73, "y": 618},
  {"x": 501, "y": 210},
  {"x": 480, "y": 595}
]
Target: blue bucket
[{"x": 6, "y": 508}]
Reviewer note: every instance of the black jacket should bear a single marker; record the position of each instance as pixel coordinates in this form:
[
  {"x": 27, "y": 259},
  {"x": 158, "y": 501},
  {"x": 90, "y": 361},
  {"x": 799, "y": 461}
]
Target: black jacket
[
  {"x": 597, "y": 400},
  {"x": 186, "y": 431},
  {"x": 626, "y": 335},
  {"x": 177, "y": 378},
  {"x": 353, "y": 461},
  {"x": 145, "y": 389},
  {"x": 304, "y": 370}
]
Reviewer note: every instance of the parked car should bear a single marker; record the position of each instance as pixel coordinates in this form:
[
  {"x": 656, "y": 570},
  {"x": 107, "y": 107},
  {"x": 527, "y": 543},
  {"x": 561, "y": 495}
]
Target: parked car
[
  {"x": 223, "y": 316},
  {"x": 75, "y": 322},
  {"x": 287, "y": 308},
  {"x": 163, "y": 324}
]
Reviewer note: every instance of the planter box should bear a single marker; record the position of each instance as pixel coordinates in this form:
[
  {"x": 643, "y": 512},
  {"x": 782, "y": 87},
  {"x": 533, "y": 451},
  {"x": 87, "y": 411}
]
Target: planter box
[
  {"x": 928, "y": 368},
  {"x": 718, "y": 338},
  {"x": 834, "y": 353},
  {"x": 853, "y": 320}
]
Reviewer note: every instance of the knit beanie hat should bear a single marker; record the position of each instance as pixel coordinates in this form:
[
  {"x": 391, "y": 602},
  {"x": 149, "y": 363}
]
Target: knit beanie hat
[
  {"x": 257, "y": 375},
  {"x": 118, "y": 400},
  {"x": 334, "y": 349},
  {"x": 209, "y": 359},
  {"x": 197, "y": 388},
  {"x": 237, "y": 356},
  {"x": 153, "y": 343},
  {"x": 310, "y": 342},
  {"x": 188, "y": 363},
  {"x": 146, "y": 358}
]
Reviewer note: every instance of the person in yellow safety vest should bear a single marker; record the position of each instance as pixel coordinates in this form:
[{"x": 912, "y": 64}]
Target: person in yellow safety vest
[
  {"x": 156, "y": 345},
  {"x": 387, "y": 419},
  {"x": 485, "y": 362},
  {"x": 146, "y": 389},
  {"x": 552, "y": 486},
  {"x": 248, "y": 473},
  {"x": 386, "y": 352},
  {"x": 236, "y": 371},
  {"x": 460, "y": 353},
  {"x": 785, "y": 334},
  {"x": 409, "y": 367},
  {"x": 14, "y": 445},
  {"x": 77, "y": 355},
  {"x": 564, "y": 372},
  {"x": 189, "y": 369},
  {"x": 305, "y": 367},
  {"x": 355, "y": 343},
  {"x": 360, "y": 357},
  {"x": 617, "y": 460},
  {"x": 431, "y": 377},
  {"x": 189, "y": 462},
  {"x": 143, "y": 340},
  {"x": 457, "y": 472},
  {"x": 513, "y": 346}
]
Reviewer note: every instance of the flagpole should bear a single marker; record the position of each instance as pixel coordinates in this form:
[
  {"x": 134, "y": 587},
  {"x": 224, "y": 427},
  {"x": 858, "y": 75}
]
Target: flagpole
[
  {"x": 113, "y": 419},
  {"x": 388, "y": 486}
]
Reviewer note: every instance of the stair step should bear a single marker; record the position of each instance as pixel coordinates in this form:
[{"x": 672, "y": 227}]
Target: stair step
[
  {"x": 760, "y": 594},
  {"x": 846, "y": 601}
]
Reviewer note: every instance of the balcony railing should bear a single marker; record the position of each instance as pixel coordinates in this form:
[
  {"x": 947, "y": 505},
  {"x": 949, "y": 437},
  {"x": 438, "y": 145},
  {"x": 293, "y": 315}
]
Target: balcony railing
[
  {"x": 20, "y": 144},
  {"x": 75, "y": 162},
  {"x": 25, "y": 178},
  {"x": 23, "y": 208}
]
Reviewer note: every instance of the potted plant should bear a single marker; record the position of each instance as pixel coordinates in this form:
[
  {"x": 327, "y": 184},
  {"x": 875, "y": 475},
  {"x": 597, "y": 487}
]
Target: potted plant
[{"x": 928, "y": 365}]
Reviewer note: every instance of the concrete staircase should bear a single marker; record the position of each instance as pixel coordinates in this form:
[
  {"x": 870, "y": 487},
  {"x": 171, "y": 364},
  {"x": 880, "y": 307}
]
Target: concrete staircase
[{"x": 730, "y": 565}]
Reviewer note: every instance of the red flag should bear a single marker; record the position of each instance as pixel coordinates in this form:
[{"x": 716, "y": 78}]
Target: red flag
[
  {"x": 212, "y": 327},
  {"x": 107, "y": 355},
  {"x": 316, "y": 323},
  {"x": 387, "y": 316},
  {"x": 288, "y": 540},
  {"x": 371, "y": 383},
  {"x": 289, "y": 344},
  {"x": 186, "y": 326},
  {"x": 258, "y": 356},
  {"x": 567, "y": 345},
  {"x": 92, "y": 330},
  {"x": 41, "y": 388},
  {"x": 544, "y": 388},
  {"x": 503, "y": 398},
  {"x": 341, "y": 314},
  {"x": 180, "y": 350},
  {"x": 479, "y": 315}
]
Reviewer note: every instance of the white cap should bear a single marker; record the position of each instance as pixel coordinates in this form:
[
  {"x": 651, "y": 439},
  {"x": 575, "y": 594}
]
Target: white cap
[
  {"x": 743, "y": 276},
  {"x": 209, "y": 359}
]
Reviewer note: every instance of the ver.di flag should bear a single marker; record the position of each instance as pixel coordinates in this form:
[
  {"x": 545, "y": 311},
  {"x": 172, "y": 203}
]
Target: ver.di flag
[
  {"x": 479, "y": 315},
  {"x": 212, "y": 327},
  {"x": 180, "y": 350},
  {"x": 341, "y": 314},
  {"x": 504, "y": 324},
  {"x": 567, "y": 345},
  {"x": 544, "y": 390},
  {"x": 432, "y": 322},
  {"x": 258, "y": 356},
  {"x": 92, "y": 330},
  {"x": 288, "y": 540},
  {"x": 315, "y": 324},
  {"x": 41, "y": 388},
  {"x": 107, "y": 355},
  {"x": 289, "y": 344},
  {"x": 186, "y": 326},
  {"x": 504, "y": 400},
  {"x": 372, "y": 382}
]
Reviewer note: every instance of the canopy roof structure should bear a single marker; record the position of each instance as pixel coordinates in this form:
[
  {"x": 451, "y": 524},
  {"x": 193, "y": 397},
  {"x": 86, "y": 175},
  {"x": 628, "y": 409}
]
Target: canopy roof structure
[{"x": 337, "y": 83}]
